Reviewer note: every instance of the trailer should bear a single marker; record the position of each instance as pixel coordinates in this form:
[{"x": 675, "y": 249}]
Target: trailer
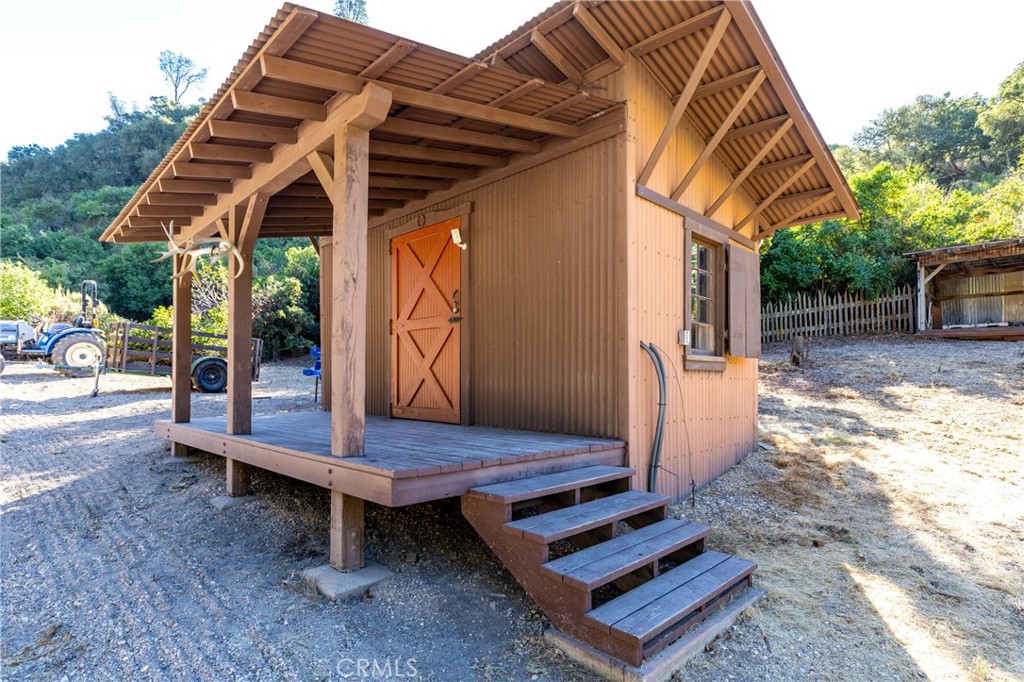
[{"x": 146, "y": 349}]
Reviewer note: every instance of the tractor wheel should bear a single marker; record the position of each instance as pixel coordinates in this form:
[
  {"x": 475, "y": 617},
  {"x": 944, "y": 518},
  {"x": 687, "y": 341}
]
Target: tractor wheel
[
  {"x": 77, "y": 355},
  {"x": 210, "y": 376}
]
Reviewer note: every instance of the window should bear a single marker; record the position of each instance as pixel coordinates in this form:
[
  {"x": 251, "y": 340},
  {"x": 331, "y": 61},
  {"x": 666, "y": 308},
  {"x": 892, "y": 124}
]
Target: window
[{"x": 704, "y": 298}]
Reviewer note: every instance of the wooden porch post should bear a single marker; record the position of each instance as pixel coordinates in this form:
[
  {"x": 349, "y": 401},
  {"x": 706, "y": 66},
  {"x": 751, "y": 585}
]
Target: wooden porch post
[
  {"x": 181, "y": 352},
  {"x": 347, "y": 539},
  {"x": 243, "y": 227},
  {"x": 349, "y": 194},
  {"x": 326, "y": 264},
  {"x": 922, "y": 313}
]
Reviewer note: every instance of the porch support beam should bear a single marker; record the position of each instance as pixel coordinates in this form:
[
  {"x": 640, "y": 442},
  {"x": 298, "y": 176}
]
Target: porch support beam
[
  {"x": 720, "y": 134},
  {"x": 347, "y": 532},
  {"x": 349, "y": 193},
  {"x": 807, "y": 165},
  {"x": 684, "y": 98},
  {"x": 243, "y": 225},
  {"x": 326, "y": 280},
  {"x": 922, "y": 313},
  {"x": 748, "y": 169},
  {"x": 181, "y": 350},
  {"x": 290, "y": 162}
]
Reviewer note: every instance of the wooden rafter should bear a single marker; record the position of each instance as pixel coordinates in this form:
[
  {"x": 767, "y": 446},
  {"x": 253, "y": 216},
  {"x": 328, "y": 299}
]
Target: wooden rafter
[
  {"x": 754, "y": 128},
  {"x": 814, "y": 219},
  {"x": 233, "y": 130},
  {"x": 723, "y": 19},
  {"x": 597, "y": 32},
  {"x": 719, "y": 135},
  {"x": 785, "y": 222},
  {"x": 420, "y": 169},
  {"x": 224, "y": 152},
  {"x": 803, "y": 196},
  {"x": 430, "y": 131},
  {"x": 158, "y": 198},
  {"x": 726, "y": 83},
  {"x": 518, "y": 92},
  {"x": 148, "y": 210},
  {"x": 782, "y": 164},
  {"x": 391, "y": 56},
  {"x": 463, "y": 75},
  {"x": 751, "y": 166},
  {"x": 254, "y": 102},
  {"x": 414, "y": 152},
  {"x": 291, "y": 163},
  {"x": 778, "y": 191},
  {"x": 431, "y": 184},
  {"x": 209, "y": 171},
  {"x": 553, "y": 55},
  {"x": 190, "y": 186},
  {"x": 677, "y": 32},
  {"x": 316, "y": 76}
]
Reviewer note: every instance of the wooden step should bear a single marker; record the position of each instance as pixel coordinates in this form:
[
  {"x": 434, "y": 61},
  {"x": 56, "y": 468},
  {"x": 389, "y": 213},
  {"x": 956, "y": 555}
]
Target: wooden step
[
  {"x": 656, "y": 606},
  {"x": 600, "y": 564},
  {"x": 569, "y": 521},
  {"x": 537, "y": 487}
]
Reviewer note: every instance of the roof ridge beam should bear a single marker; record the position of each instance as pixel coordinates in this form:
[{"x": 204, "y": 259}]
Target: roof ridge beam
[
  {"x": 722, "y": 23},
  {"x": 719, "y": 135},
  {"x": 678, "y": 31},
  {"x": 751, "y": 166}
]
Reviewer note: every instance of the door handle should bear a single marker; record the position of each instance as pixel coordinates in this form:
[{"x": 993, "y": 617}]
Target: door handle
[{"x": 456, "y": 306}]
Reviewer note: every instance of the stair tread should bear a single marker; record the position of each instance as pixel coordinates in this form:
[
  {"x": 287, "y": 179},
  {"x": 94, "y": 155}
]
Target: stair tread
[
  {"x": 655, "y": 606},
  {"x": 562, "y": 523},
  {"x": 601, "y": 563},
  {"x": 550, "y": 484}
]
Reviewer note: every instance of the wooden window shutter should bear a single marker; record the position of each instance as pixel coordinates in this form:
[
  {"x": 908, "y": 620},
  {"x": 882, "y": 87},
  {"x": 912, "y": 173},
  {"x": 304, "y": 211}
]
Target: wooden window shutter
[{"x": 744, "y": 313}]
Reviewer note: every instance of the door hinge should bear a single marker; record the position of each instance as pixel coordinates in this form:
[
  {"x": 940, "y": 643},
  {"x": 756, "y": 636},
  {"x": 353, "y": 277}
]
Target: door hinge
[{"x": 391, "y": 327}]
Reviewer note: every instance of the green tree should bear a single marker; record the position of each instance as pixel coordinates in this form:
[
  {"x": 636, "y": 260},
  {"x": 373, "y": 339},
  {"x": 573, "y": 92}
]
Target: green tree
[
  {"x": 23, "y": 293},
  {"x": 180, "y": 72},
  {"x": 353, "y": 10},
  {"x": 1003, "y": 120}
]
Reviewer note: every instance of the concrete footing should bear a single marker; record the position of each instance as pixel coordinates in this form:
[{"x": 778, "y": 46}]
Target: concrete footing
[
  {"x": 223, "y": 502},
  {"x": 334, "y": 584},
  {"x": 663, "y": 665}
]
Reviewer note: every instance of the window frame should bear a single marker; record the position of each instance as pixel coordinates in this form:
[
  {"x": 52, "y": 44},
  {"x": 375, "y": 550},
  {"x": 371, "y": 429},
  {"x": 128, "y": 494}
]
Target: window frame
[{"x": 714, "y": 360}]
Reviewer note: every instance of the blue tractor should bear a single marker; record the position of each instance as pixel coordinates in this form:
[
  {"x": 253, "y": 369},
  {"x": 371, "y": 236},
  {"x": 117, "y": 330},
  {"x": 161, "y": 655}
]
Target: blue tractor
[{"x": 74, "y": 350}]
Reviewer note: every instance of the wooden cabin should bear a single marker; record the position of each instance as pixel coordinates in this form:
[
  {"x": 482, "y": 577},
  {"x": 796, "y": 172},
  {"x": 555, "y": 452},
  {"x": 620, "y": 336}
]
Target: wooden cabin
[
  {"x": 971, "y": 291},
  {"x": 498, "y": 237}
]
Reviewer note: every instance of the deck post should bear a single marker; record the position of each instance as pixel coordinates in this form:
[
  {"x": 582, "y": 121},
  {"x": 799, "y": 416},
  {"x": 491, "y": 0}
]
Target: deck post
[
  {"x": 237, "y": 478},
  {"x": 347, "y": 532},
  {"x": 326, "y": 263},
  {"x": 244, "y": 223},
  {"x": 181, "y": 352},
  {"x": 349, "y": 192},
  {"x": 922, "y": 313}
]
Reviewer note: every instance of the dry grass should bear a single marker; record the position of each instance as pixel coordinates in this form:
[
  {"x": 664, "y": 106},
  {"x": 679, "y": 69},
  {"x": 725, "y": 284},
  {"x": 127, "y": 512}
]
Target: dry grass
[{"x": 888, "y": 520}]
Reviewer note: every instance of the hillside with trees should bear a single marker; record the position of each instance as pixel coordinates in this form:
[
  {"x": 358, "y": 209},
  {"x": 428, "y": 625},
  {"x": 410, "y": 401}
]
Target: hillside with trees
[{"x": 938, "y": 171}]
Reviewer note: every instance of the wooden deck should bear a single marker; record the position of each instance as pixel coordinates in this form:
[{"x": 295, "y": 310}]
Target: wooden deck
[{"x": 405, "y": 461}]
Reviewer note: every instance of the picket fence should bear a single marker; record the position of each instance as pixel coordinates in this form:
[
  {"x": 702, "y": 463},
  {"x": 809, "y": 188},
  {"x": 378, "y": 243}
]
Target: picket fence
[{"x": 845, "y": 315}]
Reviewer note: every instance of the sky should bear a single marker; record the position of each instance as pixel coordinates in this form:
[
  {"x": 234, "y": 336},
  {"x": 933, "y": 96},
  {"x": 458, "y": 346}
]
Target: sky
[{"x": 849, "y": 59}]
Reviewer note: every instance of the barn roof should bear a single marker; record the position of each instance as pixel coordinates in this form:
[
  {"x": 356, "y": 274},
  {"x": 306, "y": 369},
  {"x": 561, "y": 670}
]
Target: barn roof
[
  {"x": 454, "y": 119},
  {"x": 1004, "y": 255}
]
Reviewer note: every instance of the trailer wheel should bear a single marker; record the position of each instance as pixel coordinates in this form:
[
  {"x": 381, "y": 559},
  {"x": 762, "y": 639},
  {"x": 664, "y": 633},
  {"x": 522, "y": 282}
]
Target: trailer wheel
[
  {"x": 210, "y": 376},
  {"x": 77, "y": 355}
]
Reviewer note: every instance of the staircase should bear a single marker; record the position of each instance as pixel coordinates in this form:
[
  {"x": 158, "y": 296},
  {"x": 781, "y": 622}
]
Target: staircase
[{"x": 604, "y": 562}]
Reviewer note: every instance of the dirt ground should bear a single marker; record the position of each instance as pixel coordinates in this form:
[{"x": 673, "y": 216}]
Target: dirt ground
[{"x": 887, "y": 518}]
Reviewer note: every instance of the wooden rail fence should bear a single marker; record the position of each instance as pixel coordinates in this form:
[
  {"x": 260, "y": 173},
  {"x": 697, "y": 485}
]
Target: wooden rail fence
[{"x": 826, "y": 315}]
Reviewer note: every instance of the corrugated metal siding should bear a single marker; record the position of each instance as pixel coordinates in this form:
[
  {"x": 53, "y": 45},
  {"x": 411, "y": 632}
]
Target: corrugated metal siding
[
  {"x": 711, "y": 416},
  {"x": 982, "y": 303},
  {"x": 543, "y": 317}
]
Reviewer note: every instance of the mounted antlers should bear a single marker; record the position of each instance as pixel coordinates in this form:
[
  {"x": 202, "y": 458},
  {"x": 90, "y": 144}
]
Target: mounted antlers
[{"x": 193, "y": 249}]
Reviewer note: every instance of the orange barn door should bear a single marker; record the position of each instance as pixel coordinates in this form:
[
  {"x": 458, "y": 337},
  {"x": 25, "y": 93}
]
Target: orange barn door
[{"x": 425, "y": 324}]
